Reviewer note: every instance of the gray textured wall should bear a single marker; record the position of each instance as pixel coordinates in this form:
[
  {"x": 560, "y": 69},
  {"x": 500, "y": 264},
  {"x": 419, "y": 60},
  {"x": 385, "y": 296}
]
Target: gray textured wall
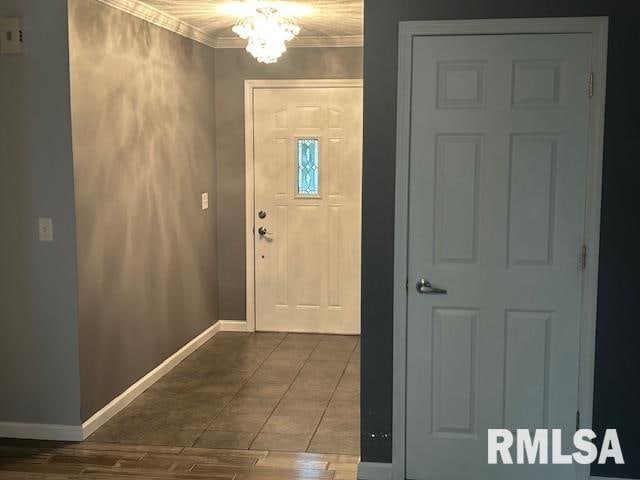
[
  {"x": 616, "y": 397},
  {"x": 233, "y": 67},
  {"x": 144, "y": 151},
  {"x": 39, "y": 379}
]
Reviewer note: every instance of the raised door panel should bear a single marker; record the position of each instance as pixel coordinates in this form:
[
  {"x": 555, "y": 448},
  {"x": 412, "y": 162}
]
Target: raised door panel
[
  {"x": 527, "y": 350},
  {"x": 454, "y": 375},
  {"x": 461, "y": 84},
  {"x": 532, "y": 193},
  {"x": 536, "y": 83},
  {"x": 306, "y": 251},
  {"x": 456, "y": 208}
]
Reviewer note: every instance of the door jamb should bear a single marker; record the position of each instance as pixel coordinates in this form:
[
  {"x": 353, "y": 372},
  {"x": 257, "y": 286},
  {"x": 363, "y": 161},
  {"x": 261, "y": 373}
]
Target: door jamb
[
  {"x": 598, "y": 27},
  {"x": 249, "y": 87}
]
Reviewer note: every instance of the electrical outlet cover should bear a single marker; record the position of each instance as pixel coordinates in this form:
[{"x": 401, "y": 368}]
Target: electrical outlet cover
[{"x": 45, "y": 229}]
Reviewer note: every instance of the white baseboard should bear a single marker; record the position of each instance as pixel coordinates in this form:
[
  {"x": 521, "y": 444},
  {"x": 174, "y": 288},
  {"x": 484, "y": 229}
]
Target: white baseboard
[
  {"x": 383, "y": 471},
  {"x": 606, "y": 478},
  {"x": 75, "y": 433},
  {"x": 374, "y": 471},
  {"x": 131, "y": 393},
  {"x": 233, "y": 325},
  {"x": 41, "y": 431}
]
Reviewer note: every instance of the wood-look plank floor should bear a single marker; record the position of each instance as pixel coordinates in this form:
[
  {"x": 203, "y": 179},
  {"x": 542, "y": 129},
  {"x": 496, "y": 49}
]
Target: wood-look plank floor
[{"x": 25, "y": 459}]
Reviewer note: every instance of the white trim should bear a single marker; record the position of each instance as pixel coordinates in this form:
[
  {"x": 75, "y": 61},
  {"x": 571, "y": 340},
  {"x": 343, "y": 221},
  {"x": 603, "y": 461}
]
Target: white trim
[
  {"x": 249, "y": 87},
  {"x": 249, "y": 205},
  {"x": 233, "y": 325},
  {"x": 120, "y": 402},
  {"x": 374, "y": 471},
  {"x": 41, "y": 431},
  {"x": 592, "y": 227},
  {"x": 598, "y": 27},
  {"x": 299, "y": 42},
  {"x": 160, "y": 19},
  {"x": 76, "y": 433},
  {"x": 141, "y": 10},
  {"x": 400, "y": 255},
  {"x": 506, "y": 26},
  {"x": 79, "y": 433},
  {"x": 593, "y": 477},
  {"x": 131, "y": 393}
]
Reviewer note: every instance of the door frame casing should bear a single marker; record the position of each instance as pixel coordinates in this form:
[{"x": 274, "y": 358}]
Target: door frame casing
[
  {"x": 598, "y": 28},
  {"x": 249, "y": 87}
]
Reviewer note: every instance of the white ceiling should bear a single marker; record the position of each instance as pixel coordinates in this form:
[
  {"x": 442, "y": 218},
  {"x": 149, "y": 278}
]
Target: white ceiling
[{"x": 321, "y": 18}]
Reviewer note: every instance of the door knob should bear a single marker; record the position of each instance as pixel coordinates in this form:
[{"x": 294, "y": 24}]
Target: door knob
[
  {"x": 424, "y": 287},
  {"x": 262, "y": 231}
]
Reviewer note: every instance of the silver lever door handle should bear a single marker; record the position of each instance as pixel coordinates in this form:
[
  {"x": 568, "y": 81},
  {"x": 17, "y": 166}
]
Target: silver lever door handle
[
  {"x": 262, "y": 231},
  {"x": 424, "y": 286}
]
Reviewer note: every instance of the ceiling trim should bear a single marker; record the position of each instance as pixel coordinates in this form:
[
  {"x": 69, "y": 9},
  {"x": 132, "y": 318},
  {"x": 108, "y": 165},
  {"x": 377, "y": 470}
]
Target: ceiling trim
[
  {"x": 298, "y": 42},
  {"x": 160, "y": 19},
  {"x": 141, "y": 10}
]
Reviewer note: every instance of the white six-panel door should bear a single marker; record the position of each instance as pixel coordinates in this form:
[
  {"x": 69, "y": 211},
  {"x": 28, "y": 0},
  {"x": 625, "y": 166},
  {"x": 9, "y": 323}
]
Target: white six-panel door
[
  {"x": 499, "y": 129},
  {"x": 307, "y": 258}
]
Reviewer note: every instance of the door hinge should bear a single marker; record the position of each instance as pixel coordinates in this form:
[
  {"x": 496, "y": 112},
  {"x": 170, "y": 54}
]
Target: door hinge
[
  {"x": 583, "y": 257},
  {"x": 406, "y": 285},
  {"x": 590, "y": 88},
  {"x": 578, "y": 420}
]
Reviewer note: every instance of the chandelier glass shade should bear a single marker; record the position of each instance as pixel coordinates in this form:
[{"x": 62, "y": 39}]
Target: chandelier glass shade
[{"x": 266, "y": 33}]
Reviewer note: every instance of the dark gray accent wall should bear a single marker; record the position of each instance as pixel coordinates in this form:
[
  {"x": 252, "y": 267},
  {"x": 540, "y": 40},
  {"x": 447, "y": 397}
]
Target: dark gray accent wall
[
  {"x": 617, "y": 393},
  {"x": 144, "y": 151},
  {"x": 39, "y": 379},
  {"x": 233, "y": 67}
]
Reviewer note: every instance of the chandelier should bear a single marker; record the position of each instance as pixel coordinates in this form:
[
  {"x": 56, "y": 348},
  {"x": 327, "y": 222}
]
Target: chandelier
[{"x": 266, "y": 32}]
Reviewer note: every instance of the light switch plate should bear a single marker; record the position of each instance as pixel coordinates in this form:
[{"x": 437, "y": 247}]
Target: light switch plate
[
  {"x": 205, "y": 201},
  {"x": 45, "y": 229},
  {"x": 10, "y": 36}
]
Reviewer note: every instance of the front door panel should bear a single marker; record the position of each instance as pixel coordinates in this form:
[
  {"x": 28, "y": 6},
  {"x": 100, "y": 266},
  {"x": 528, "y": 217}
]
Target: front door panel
[{"x": 308, "y": 162}]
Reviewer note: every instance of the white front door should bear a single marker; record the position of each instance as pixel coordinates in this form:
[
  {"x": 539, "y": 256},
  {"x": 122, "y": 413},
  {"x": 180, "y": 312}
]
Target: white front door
[
  {"x": 499, "y": 128},
  {"x": 308, "y": 163}
]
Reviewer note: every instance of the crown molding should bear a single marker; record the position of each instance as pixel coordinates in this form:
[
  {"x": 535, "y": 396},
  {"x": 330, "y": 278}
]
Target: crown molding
[
  {"x": 141, "y": 10},
  {"x": 156, "y": 17},
  {"x": 298, "y": 42}
]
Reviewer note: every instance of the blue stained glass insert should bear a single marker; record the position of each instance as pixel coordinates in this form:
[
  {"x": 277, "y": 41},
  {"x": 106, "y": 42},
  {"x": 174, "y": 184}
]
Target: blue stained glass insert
[{"x": 308, "y": 161}]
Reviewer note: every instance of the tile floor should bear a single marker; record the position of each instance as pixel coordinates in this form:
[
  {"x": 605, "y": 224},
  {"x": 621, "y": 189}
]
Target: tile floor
[{"x": 259, "y": 391}]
